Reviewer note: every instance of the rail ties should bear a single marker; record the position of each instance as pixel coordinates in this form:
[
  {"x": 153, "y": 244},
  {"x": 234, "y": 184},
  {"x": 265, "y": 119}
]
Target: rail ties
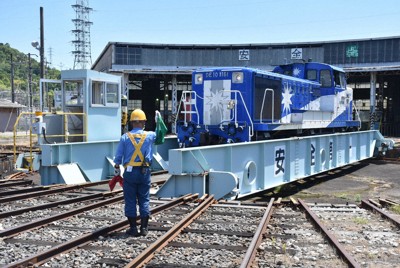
[
  {"x": 16, "y": 176},
  {"x": 191, "y": 227},
  {"x": 22, "y": 191},
  {"x": 8, "y": 184},
  {"x": 48, "y": 205},
  {"x": 388, "y": 203},
  {"x": 221, "y": 234},
  {"x": 292, "y": 240},
  {"x": 373, "y": 207},
  {"x": 362, "y": 233},
  {"x": 147, "y": 254},
  {"x": 41, "y": 257},
  {"x": 191, "y": 231},
  {"x": 346, "y": 255},
  {"x": 39, "y": 223},
  {"x": 255, "y": 243},
  {"x": 47, "y": 190}
]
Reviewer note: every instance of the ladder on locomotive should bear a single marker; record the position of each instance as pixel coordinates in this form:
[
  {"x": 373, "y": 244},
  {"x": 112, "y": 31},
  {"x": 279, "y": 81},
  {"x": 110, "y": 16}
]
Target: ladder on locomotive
[{"x": 187, "y": 107}]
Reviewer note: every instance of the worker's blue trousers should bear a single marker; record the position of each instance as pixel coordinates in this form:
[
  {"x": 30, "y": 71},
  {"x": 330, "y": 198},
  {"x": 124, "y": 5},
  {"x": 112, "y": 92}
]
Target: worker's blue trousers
[{"x": 137, "y": 189}]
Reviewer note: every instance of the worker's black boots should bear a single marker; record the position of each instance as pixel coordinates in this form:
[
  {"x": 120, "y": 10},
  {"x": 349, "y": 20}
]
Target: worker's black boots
[
  {"x": 143, "y": 227},
  {"x": 132, "y": 231}
]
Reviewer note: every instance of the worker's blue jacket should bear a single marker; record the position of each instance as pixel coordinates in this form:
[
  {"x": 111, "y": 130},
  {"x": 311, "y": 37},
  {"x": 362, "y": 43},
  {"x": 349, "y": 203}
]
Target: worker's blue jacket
[
  {"x": 126, "y": 148},
  {"x": 135, "y": 153}
]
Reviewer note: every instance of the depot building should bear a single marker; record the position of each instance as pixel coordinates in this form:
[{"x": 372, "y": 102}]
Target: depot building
[{"x": 154, "y": 75}]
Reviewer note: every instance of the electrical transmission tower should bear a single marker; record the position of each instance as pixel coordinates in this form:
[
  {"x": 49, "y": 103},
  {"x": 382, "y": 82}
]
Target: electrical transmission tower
[{"x": 82, "y": 52}]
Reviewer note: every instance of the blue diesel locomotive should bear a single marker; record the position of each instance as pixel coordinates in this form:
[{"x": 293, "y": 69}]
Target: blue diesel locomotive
[{"x": 230, "y": 105}]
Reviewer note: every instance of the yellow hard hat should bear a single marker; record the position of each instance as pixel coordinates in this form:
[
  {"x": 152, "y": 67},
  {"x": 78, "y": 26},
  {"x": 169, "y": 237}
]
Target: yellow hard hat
[{"x": 138, "y": 115}]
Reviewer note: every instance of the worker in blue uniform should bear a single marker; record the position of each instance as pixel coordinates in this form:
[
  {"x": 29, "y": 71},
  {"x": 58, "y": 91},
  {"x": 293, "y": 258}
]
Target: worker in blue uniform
[{"x": 134, "y": 152}]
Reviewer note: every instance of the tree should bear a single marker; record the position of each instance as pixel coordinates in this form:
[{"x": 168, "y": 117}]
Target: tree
[{"x": 20, "y": 69}]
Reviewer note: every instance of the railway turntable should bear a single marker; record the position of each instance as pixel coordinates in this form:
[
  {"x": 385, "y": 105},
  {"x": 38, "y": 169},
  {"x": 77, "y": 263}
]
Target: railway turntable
[{"x": 259, "y": 130}]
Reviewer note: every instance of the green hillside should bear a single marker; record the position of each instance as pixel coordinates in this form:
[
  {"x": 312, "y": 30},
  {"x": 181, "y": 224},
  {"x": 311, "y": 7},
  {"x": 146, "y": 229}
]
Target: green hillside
[{"x": 21, "y": 69}]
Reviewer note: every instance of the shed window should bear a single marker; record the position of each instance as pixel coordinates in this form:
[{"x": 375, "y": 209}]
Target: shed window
[{"x": 126, "y": 55}]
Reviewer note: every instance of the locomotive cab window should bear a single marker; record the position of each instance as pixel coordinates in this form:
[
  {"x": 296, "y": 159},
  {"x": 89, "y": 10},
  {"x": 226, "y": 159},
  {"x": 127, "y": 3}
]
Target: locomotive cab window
[
  {"x": 288, "y": 72},
  {"x": 312, "y": 75},
  {"x": 340, "y": 79},
  {"x": 325, "y": 78},
  {"x": 260, "y": 92}
]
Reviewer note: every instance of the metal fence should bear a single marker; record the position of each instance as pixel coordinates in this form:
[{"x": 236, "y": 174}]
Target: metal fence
[{"x": 21, "y": 97}]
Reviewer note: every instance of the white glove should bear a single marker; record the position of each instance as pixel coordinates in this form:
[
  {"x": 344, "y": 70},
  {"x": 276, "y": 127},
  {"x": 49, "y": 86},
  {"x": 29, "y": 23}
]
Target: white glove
[
  {"x": 157, "y": 116},
  {"x": 117, "y": 171}
]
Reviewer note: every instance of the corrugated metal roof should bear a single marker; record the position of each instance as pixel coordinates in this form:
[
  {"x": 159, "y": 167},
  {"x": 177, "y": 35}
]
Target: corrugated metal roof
[
  {"x": 372, "y": 68},
  {"x": 153, "y": 69},
  {"x": 286, "y": 45}
]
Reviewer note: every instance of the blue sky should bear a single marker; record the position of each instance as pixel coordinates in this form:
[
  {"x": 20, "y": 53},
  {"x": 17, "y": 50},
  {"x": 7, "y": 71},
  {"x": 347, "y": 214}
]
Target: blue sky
[{"x": 195, "y": 22}]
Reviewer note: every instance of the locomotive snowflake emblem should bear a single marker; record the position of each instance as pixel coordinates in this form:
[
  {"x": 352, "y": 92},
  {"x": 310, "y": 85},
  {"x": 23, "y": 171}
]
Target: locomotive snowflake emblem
[
  {"x": 296, "y": 72},
  {"x": 217, "y": 99},
  {"x": 215, "y": 102},
  {"x": 286, "y": 99}
]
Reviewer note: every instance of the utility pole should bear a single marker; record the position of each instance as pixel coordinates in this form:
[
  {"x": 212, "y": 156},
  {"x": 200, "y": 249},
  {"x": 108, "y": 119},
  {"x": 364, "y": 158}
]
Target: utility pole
[
  {"x": 40, "y": 46},
  {"x": 41, "y": 50},
  {"x": 30, "y": 82},
  {"x": 12, "y": 80}
]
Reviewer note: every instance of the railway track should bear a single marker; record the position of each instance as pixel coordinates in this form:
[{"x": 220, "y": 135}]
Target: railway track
[
  {"x": 368, "y": 233},
  {"x": 82, "y": 228},
  {"x": 309, "y": 235}
]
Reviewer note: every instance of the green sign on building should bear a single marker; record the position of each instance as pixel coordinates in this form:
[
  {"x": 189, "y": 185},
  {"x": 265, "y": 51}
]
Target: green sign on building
[{"x": 352, "y": 51}]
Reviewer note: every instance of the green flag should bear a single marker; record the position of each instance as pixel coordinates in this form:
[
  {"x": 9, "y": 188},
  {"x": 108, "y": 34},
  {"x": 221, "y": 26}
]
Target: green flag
[{"x": 161, "y": 130}]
